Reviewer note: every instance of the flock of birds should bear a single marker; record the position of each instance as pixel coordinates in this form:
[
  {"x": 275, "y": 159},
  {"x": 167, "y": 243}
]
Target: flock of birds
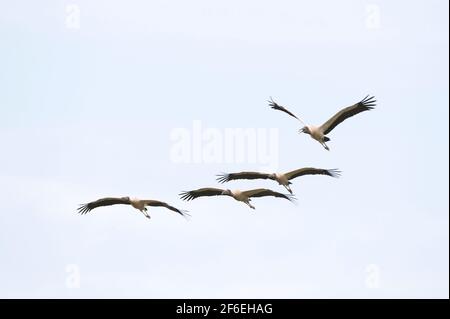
[{"x": 318, "y": 133}]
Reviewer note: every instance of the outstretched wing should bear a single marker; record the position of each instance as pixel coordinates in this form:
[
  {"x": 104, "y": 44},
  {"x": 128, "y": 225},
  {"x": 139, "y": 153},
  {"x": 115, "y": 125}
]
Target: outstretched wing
[
  {"x": 263, "y": 192},
  {"x": 276, "y": 106},
  {"x": 312, "y": 171},
  {"x": 157, "y": 203},
  {"x": 200, "y": 193},
  {"x": 366, "y": 104},
  {"x": 222, "y": 178},
  {"x": 108, "y": 201}
]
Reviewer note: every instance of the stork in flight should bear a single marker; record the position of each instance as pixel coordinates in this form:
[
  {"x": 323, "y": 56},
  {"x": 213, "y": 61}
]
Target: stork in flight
[
  {"x": 241, "y": 196},
  {"x": 140, "y": 205},
  {"x": 282, "y": 179},
  {"x": 319, "y": 132}
]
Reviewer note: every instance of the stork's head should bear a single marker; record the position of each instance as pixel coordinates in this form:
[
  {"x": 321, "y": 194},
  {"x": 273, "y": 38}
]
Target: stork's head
[
  {"x": 305, "y": 130},
  {"x": 227, "y": 192}
]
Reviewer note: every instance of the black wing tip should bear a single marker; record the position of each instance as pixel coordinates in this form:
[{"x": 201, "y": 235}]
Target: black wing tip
[
  {"x": 182, "y": 212},
  {"x": 185, "y": 213},
  {"x": 368, "y": 102},
  {"x": 290, "y": 197},
  {"x": 273, "y": 104},
  {"x": 83, "y": 209},
  {"x": 186, "y": 195},
  {"x": 334, "y": 172},
  {"x": 223, "y": 178}
]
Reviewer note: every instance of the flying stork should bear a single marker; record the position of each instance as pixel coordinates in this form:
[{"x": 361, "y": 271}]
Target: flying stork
[
  {"x": 139, "y": 204},
  {"x": 241, "y": 196},
  {"x": 319, "y": 132},
  {"x": 282, "y": 179}
]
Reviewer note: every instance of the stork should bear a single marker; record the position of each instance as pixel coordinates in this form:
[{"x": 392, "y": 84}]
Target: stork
[
  {"x": 282, "y": 179},
  {"x": 138, "y": 204},
  {"x": 319, "y": 132},
  {"x": 240, "y": 196}
]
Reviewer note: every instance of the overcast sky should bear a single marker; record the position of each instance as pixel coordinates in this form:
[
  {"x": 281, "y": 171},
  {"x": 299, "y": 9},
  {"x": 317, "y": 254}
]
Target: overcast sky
[{"x": 145, "y": 99}]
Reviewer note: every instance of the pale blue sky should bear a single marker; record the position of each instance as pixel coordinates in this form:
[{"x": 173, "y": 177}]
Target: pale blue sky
[{"x": 89, "y": 112}]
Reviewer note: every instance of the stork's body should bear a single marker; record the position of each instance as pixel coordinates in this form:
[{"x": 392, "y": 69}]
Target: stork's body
[
  {"x": 139, "y": 205},
  {"x": 317, "y": 134},
  {"x": 283, "y": 180},
  {"x": 240, "y": 197}
]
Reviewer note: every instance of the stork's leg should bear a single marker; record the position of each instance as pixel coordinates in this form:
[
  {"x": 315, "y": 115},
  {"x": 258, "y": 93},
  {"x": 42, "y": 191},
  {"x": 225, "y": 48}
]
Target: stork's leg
[
  {"x": 325, "y": 146},
  {"x": 144, "y": 211},
  {"x": 250, "y": 205},
  {"x": 288, "y": 188}
]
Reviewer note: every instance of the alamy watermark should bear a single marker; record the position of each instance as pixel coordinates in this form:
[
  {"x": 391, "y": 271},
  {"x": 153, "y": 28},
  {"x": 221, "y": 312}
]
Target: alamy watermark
[{"x": 206, "y": 145}]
